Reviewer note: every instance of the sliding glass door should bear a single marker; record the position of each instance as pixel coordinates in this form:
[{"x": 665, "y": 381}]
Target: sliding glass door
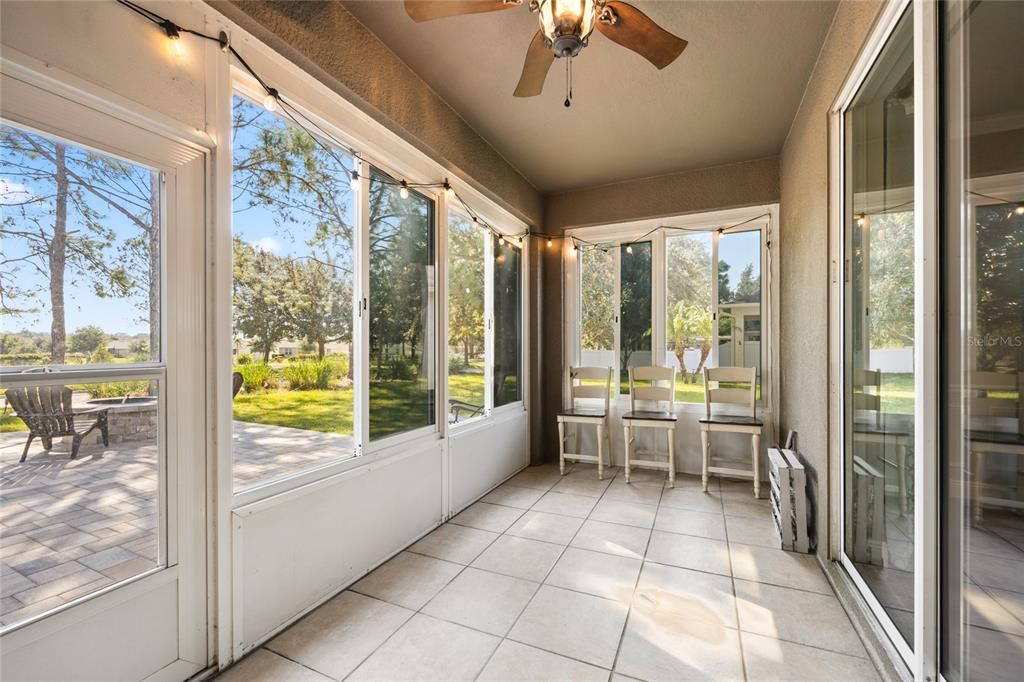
[
  {"x": 982, "y": 454},
  {"x": 879, "y": 343}
]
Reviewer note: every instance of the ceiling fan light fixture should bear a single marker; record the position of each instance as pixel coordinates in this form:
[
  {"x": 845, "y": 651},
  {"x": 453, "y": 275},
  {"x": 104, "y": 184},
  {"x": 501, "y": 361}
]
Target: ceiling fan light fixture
[{"x": 567, "y": 24}]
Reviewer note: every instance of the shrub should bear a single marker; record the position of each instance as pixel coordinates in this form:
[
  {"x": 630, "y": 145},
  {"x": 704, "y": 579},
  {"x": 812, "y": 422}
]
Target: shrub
[
  {"x": 306, "y": 375},
  {"x": 244, "y": 359},
  {"x": 339, "y": 365},
  {"x": 114, "y": 389},
  {"x": 9, "y": 359},
  {"x": 255, "y": 375}
]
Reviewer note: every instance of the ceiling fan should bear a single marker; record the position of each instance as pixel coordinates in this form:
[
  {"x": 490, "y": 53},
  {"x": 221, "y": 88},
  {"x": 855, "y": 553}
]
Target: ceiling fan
[{"x": 565, "y": 28}]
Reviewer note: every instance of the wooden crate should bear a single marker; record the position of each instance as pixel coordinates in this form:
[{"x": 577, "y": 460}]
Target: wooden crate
[{"x": 788, "y": 481}]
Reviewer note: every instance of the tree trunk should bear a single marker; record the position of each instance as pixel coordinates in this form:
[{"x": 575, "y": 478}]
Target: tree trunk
[
  {"x": 154, "y": 268},
  {"x": 465, "y": 352},
  {"x": 705, "y": 350},
  {"x": 680, "y": 352},
  {"x": 321, "y": 347},
  {"x": 58, "y": 258}
]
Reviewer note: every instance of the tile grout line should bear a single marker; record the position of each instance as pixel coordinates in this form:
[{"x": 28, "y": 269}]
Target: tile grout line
[
  {"x": 420, "y": 609},
  {"x": 636, "y": 583},
  {"x": 735, "y": 597},
  {"x": 548, "y": 574}
]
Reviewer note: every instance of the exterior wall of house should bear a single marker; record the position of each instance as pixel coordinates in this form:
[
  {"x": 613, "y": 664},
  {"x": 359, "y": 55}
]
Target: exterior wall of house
[
  {"x": 804, "y": 283},
  {"x": 748, "y": 183}
]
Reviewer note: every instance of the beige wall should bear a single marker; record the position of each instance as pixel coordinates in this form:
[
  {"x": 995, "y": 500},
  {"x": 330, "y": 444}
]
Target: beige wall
[
  {"x": 804, "y": 250},
  {"x": 734, "y": 185}
]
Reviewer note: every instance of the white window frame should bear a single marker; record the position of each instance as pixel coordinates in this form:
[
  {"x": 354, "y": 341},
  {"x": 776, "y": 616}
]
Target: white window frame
[
  {"x": 764, "y": 218},
  {"x": 922, "y": 661},
  {"x": 86, "y": 116},
  {"x": 381, "y": 149}
]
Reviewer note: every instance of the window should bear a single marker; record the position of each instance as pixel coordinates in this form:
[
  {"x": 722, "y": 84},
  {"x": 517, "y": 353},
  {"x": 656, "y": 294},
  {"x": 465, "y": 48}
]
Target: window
[
  {"x": 466, "y": 327},
  {"x": 695, "y": 290},
  {"x": 689, "y": 324},
  {"x": 293, "y": 225},
  {"x": 714, "y": 303},
  {"x": 508, "y": 323},
  {"x": 80, "y": 459},
  {"x": 635, "y": 305},
  {"x": 878, "y": 331},
  {"x": 739, "y": 300},
  {"x": 401, "y": 309}
]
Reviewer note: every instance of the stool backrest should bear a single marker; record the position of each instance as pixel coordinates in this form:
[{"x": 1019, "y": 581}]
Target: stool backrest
[
  {"x": 997, "y": 394},
  {"x": 578, "y": 389},
  {"x": 864, "y": 379},
  {"x": 730, "y": 395},
  {"x": 661, "y": 389}
]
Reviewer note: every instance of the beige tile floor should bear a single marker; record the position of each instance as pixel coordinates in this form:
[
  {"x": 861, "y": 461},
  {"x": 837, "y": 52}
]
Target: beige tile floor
[{"x": 570, "y": 578}]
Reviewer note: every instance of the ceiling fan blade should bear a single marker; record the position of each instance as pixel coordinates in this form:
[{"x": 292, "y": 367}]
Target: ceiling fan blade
[
  {"x": 425, "y": 10},
  {"x": 535, "y": 69},
  {"x": 636, "y": 31}
]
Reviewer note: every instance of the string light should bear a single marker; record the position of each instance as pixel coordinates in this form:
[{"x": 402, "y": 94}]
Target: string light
[
  {"x": 501, "y": 240},
  {"x": 174, "y": 36},
  {"x": 271, "y": 101},
  {"x": 550, "y": 242},
  {"x": 629, "y": 249}
]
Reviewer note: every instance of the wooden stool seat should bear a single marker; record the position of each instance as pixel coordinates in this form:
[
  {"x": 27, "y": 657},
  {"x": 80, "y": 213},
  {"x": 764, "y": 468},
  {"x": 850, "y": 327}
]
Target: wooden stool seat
[
  {"x": 580, "y": 415},
  {"x": 660, "y": 394},
  {"x": 728, "y": 423}
]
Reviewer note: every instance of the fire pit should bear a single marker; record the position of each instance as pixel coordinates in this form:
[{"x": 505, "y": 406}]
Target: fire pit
[{"x": 129, "y": 418}]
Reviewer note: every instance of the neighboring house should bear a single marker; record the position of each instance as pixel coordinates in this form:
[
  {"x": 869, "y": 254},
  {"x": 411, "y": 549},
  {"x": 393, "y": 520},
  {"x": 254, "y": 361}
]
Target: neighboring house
[
  {"x": 120, "y": 348},
  {"x": 289, "y": 348}
]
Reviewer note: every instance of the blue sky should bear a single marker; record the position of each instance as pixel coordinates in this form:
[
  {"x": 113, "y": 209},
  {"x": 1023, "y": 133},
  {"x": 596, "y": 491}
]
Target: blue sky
[{"x": 124, "y": 315}]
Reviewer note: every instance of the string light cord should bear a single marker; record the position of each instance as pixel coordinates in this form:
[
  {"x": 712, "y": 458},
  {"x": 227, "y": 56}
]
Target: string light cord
[{"x": 318, "y": 134}]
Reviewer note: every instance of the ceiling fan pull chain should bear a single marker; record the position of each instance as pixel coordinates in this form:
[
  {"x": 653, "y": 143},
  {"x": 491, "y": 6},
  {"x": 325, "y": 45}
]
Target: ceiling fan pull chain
[{"x": 568, "y": 82}]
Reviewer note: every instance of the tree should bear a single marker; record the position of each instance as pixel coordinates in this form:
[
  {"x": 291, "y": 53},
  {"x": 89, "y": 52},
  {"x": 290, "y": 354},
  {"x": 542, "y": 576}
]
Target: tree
[
  {"x": 689, "y": 323},
  {"x": 465, "y": 287},
  {"x": 690, "y": 326},
  {"x": 87, "y": 339},
  {"x": 597, "y": 299},
  {"x": 319, "y": 304},
  {"x": 57, "y": 233},
  {"x": 748, "y": 290},
  {"x": 260, "y": 304}
]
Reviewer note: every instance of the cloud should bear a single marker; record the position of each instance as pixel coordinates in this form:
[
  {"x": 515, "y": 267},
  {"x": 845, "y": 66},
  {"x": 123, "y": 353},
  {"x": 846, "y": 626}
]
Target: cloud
[
  {"x": 268, "y": 244},
  {"x": 14, "y": 192}
]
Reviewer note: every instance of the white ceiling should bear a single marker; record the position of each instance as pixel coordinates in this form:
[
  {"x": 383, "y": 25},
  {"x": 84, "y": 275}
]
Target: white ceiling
[{"x": 730, "y": 97}]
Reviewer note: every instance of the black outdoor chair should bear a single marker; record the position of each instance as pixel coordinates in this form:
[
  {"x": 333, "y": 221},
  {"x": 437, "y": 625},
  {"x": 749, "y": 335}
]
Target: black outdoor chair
[
  {"x": 236, "y": 383},
  {"x": 459, "y": 410},
  {"x": 46, "y": 411}
]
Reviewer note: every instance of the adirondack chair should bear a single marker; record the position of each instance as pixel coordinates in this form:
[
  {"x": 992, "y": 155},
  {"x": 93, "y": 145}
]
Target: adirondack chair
[{"x": 46, "y": 411}]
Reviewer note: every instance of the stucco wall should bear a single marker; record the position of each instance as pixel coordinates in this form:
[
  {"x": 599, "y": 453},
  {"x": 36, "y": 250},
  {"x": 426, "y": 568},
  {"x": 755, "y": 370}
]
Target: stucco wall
[
  {"x": 804, "y": 260},
  {"x": 328, "y": 42},
  {"x": 730, "y": 186}
]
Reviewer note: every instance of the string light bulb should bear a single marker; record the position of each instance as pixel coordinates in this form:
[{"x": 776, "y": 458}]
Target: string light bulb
[
  {"x": 501, "y": 240},
  {"x": 271, "y": 100},
  {"x": 550, "y": 242},
  {"x": 354, "y": 182},
  {"x": 404, "y": 191},
  {"x": 629, "y": 249},
  {"x": 174, "y": 36},
  {"x": 449, "y": 192},
  {"x": 1019, "y": 210}
]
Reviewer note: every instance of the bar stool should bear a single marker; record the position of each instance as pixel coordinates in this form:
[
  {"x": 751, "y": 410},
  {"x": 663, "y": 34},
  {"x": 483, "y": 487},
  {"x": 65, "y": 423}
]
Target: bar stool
[
  {"x": 724, "y": 423},
  {"x": 598, "y": 416},
  {"x": 656, "y": 410}
]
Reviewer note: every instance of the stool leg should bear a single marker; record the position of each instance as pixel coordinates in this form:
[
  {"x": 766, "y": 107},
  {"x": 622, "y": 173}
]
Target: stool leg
[
  {"x": 600, "y": 452},
  {"x": 625, "y": 432},
  {"x": 755, "y": 444},
  {"x": 561, "y": 448},
  {"x": 671, "y": 457},
  {"x": 705, "y": 452}
]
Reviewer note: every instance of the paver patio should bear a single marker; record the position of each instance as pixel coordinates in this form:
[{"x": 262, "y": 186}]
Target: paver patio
[{"x": 71, "y": 527}]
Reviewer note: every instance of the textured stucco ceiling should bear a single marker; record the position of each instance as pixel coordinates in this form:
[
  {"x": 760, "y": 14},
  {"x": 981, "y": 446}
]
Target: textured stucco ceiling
[{"x": 730, "y": 97}]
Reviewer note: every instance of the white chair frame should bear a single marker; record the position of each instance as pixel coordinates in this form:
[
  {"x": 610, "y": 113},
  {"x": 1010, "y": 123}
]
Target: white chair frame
[
  {"x": 724, "y": 424},
  {"x": 578, "y": 390},
  {"x": 983, "y": 442},
  {"x": 655, "y": 419}
]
